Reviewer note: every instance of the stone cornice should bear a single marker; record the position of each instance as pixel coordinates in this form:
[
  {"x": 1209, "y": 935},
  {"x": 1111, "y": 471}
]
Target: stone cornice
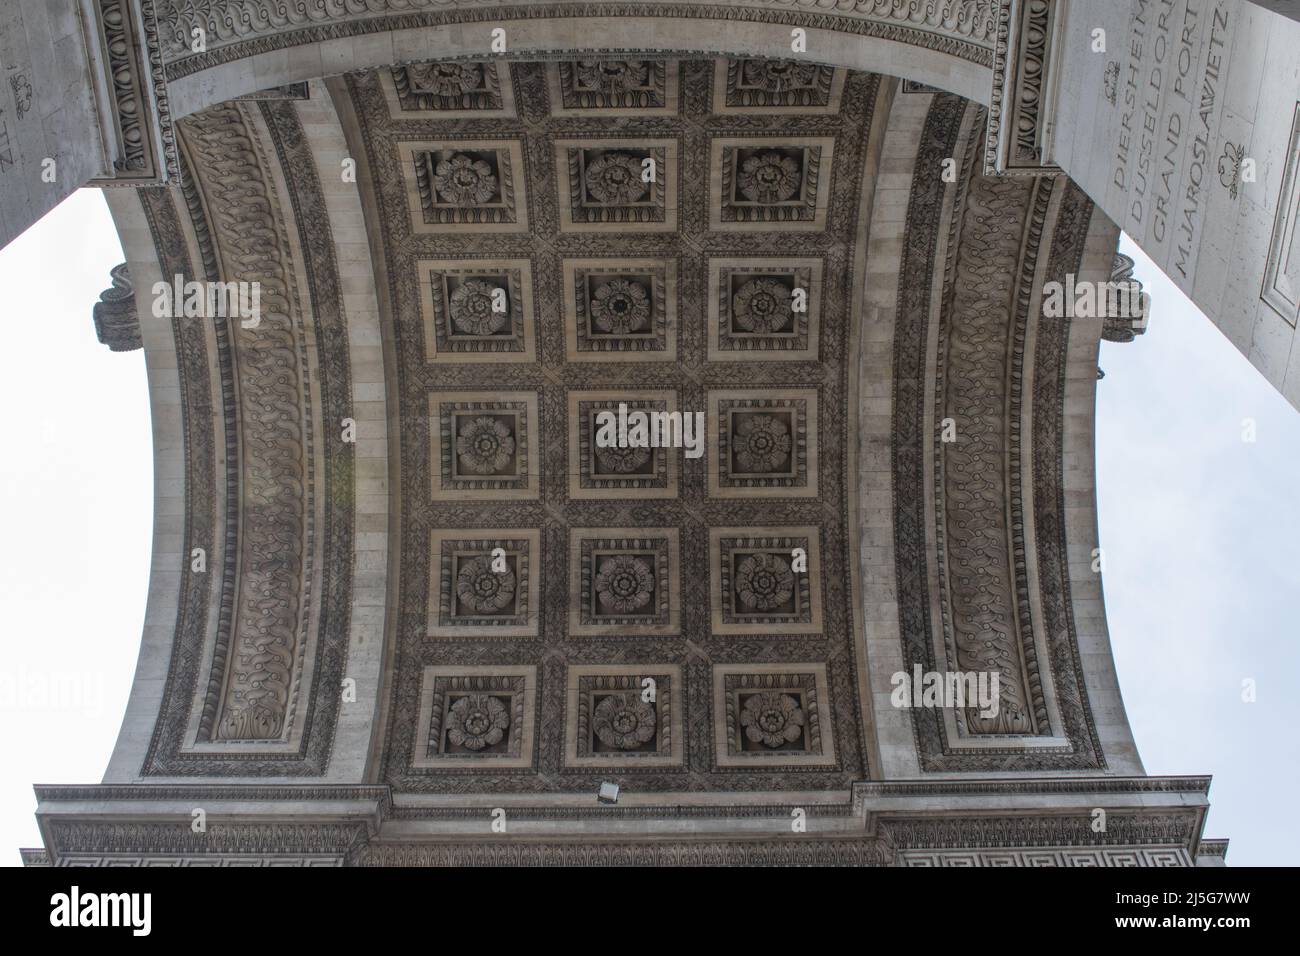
[
  {"x": 1020, "y": 105},
  {"x": 85, "y": 825},
  {"x": 239, "y": 28},
  {"x": 144, "y": 142}
]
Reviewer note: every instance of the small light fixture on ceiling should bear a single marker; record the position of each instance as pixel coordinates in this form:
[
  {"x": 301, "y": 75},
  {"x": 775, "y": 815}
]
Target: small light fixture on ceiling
[{"x": 608, "y": 793}]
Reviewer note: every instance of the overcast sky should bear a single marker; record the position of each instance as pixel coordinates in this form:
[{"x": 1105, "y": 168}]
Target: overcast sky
[{"x": 1201, "y": 532}]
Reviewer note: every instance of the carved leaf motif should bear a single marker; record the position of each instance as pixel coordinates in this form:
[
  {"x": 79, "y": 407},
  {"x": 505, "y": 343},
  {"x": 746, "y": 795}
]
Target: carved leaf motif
[
  {"x": 615, "y": 179},
  {"x": 477, "y": 721},
  {"x": 472, "y": 309},
  {"x": 464, "y": 181},
  {"x": 620, "y": 306},
  {"x": 762, "y": 306},
  {"x": 764, "y": 582},
  {"x": 762, "y": 443},
  {"x": 624, "y": 583},
  {"x": 484, "y": 590},
  {"x": 768, "y": 178},
  {"x": 485, "y": 446},
  {"x": 772, "y": 719},
  {"x": 624, "y": 721}
]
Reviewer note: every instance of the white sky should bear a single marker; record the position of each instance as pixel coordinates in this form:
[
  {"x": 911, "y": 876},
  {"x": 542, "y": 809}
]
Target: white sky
[{"x": 1201, "y": 533}]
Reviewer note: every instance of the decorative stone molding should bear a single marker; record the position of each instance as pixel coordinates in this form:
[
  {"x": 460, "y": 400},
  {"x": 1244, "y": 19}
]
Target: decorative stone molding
[
  {"x": 855, "y": 852},
  {"x": 1020, "y": 110},
  {"x": 461, "y": 187},
  {"x": 1043, "y": 830},
  {"x": 84, "y": 841},
  {"x": 756, "y": 587},
  {"x": 627, "y": 719},
  {"x": 447, "y": 90},
  {"x": 617, "y": 472},
  {"x": 765, "y": 443},
  {"x": 620, "y": 310},
  {"x": 144, "y": 142},
  {"x": 1047, "y": 856},
  {"x": 776, "y": 86},
  {"x": 776, "y": 715},
  {"x": 477, "y": 717},
  {"x": 624, "y": 581},
  {"x": 238, "y": 28},
  {"x": 997, "y": 232},
  {"x": 290, "y": 91},
  {"x": 617, "y": 185},
  {"x": 984, "y": 628},
  {"x": 230, "y": 203},
  {"x": 1212, "y": 853},
  {"x": 1151, "y": 821},
  {"x": 116, "y": 322},
  {"x": 486, "y": 583},
  {"x": 771, "y": 183},
  {"x": 753, "y": 312},
  {"x": 263, "y": 662},
  {"x": 485, "y": 445},
  {"x": 610, "y": 87}
]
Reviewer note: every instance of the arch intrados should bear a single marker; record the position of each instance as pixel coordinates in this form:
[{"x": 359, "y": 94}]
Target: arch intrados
[{"x": 541, "y": 38}]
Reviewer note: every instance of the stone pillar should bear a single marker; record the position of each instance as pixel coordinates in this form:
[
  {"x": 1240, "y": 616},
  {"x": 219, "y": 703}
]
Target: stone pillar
[{"x": 1181, "y": 118}]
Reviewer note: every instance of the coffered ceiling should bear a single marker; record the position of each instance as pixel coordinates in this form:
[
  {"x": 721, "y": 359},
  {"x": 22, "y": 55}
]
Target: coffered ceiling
[{"x": 675, "y": 236}]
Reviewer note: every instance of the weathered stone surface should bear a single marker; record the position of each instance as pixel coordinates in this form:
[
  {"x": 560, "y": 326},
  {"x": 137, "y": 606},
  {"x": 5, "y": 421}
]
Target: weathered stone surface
[{"x": 422, "y": 566}]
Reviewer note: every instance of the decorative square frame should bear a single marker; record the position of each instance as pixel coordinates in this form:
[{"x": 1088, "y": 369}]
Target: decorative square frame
[
  {"x": 443, "y": 342},
  {"x": 493, "y": 98},
  {"x": 439, "y": 689},
  {"x": 506, "y": 212},
  {"x": 451, "y": 549},
  {"x": 587, "y": 685},
  {"x": 659, "y": 546},
  {"x": 734, "y": 89},
  {"x": 733, "y": 683},
  {"x": 728, "y": 546},
  {"x": 660, "y": 482},
  {"x": 727, "y": 344},
  {"x": 658, "y": 277},
  {"x": 805, "y": 212},
  {"x": 799, "y": 479},
  {"x": 450, "y": 481},
  {"x": 577, "y": 214},
  {"x": 572, "y": 95}
]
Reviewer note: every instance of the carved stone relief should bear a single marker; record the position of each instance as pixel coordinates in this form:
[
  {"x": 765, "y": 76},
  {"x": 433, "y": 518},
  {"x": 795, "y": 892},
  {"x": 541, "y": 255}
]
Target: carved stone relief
[
  {"x": 116, "y": 322},
  {"x": 619, "y": 557},
  {"x": 238, "y": 222},
  {"x": 983, "y": 597}
]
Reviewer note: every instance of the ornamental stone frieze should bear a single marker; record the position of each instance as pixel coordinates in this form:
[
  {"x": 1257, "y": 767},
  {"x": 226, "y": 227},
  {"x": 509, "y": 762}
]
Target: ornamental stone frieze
[{"x": 143, "y": 140}]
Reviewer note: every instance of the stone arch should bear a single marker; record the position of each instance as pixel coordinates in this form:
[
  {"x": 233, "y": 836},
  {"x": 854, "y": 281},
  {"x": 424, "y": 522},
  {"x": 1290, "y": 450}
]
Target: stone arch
[{"x": 253, "y": 46}]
